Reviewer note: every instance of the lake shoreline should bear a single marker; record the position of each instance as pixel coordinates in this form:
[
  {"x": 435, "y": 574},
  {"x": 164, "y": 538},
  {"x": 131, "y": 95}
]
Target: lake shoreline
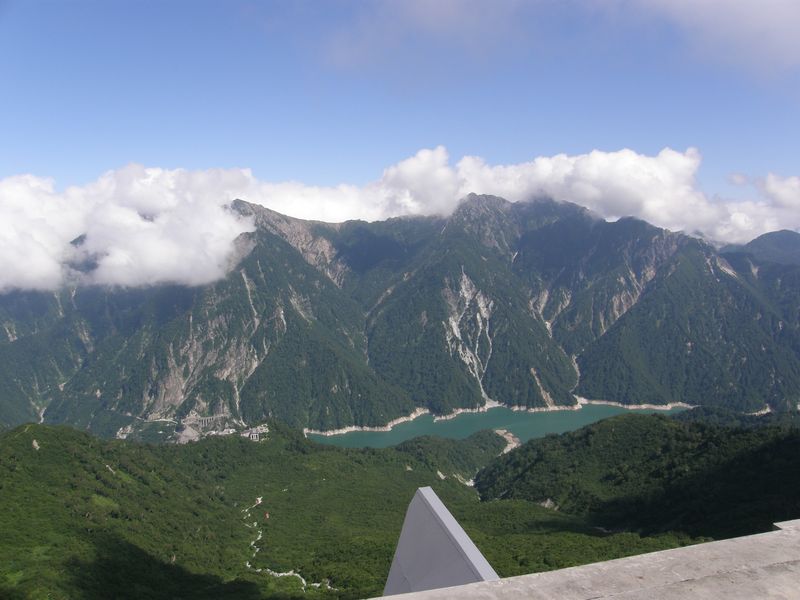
[
  {"x": 669, "y": 406},
  {"x": 489, "y": 405},
  {"x": 512, "y": 441},
  {"x": 351, "y": 428}
]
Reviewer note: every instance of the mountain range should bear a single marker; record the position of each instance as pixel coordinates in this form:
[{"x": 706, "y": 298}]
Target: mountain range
[{"x": 532, "y": 305}]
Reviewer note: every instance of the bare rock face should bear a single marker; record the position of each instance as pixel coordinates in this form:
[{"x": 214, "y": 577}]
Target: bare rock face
[
  {"x": 305, "y": 236},
  {"x": 467, "y": 329}
]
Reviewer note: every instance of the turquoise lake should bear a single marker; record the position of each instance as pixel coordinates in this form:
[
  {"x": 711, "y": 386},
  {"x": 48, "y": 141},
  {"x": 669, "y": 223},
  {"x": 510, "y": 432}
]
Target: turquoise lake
[{"x": 524, "y": 425}]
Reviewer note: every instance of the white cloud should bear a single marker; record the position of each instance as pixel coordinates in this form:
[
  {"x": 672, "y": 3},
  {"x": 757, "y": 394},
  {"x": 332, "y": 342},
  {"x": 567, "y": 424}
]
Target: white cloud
[
  {"x": 153, "y": 225},
  {"x": 657, "y": 188},
  {"x": 784, "y": 191},
  {"x": 35, "y": 223},
  {"x": 660, "y": 189},
  {"x": 757, "y": 33},
  {"x": 142, "y": 226},
  {"x": 145, "y": 226}
]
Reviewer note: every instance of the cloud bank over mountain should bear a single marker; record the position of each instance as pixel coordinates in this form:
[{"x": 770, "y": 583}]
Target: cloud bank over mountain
[
  {"x": 143, "y": 226},
  {"x": 136, "y": 226}
]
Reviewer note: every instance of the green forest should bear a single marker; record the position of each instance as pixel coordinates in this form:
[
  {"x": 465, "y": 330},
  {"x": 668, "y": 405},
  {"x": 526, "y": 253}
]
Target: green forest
[
  {"x": 654, "y": 474},
  {"x": 89, "y": 518},
  {"x": 86, "y": 518}
]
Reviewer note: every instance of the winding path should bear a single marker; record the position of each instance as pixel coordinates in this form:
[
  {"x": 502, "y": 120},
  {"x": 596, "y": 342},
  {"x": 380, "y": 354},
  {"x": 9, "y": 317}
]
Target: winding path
[{"x": 256, "y": 549}]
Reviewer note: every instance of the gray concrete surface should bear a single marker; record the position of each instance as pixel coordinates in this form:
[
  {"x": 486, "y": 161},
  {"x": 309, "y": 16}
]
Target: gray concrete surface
[
  {"x": 434, "y": 551},
  {"x": 753, "y": 567}
]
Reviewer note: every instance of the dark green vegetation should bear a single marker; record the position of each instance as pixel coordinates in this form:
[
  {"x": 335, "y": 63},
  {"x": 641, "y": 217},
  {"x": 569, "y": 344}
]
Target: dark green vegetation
[
  {"x": 87, "y": 518},
  {"x": 726, "y": 418},
  {"x": 778, "y": 246},
  {"x": 324, "y": 326},
  {"x": 654, "y": 474},
  {"x": 722, "y": 340}
]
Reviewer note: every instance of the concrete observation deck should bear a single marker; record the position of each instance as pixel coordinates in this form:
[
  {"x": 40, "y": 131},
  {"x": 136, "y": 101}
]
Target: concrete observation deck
[{"x": 765, "y": 565}]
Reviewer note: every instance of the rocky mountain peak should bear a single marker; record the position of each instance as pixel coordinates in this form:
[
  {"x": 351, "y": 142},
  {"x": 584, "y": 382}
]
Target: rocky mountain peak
[
  {"x": 489, "y": 219},
  {"x": 308, "y": 237},
  {"x": 476, "y": 204}
]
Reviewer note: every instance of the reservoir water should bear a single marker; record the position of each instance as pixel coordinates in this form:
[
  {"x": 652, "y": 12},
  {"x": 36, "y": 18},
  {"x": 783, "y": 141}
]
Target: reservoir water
[{"x": 524, "y": 425}]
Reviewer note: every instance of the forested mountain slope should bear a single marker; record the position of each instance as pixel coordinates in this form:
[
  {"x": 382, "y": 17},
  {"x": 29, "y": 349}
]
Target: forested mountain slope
[
  {"x": 85, "y": 518},
  {"x": 328, "y": 325},
  {"x": 652, "y": 474},
  {"x": 88, "y": 518},
  {"x": 781, "y": 247}
]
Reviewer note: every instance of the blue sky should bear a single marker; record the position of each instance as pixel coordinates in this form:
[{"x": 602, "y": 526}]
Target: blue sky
[
  {"x": 328, "y": 91},
  {"x": 685, "y": 113}
]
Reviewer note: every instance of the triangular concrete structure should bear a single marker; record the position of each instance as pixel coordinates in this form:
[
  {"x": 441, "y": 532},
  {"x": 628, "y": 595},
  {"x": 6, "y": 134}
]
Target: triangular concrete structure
[{"x": 433, "y": 550}]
